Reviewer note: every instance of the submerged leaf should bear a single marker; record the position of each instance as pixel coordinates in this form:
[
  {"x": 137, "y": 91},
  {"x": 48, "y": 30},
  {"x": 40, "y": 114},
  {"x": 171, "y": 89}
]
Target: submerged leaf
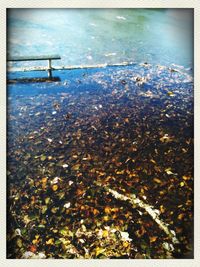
[
  {"x": 54, "y": 187},
  {"x": 43, "y": 158},
  {"x": 50, "y": 241},
  {"x": 99, "y": 251}
]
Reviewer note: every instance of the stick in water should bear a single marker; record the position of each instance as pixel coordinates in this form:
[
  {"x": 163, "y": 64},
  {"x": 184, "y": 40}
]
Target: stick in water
[{"x": 136, "y": 202}]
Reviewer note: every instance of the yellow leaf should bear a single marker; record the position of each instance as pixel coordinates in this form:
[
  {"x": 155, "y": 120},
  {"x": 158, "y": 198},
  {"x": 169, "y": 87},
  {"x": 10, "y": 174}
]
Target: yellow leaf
[
  {"x": 44, "y": 179},
  {"x": 19, "y": 242},
  {"x": 170, "y": 93},
  {"x": 158, "y": 181},
  {"x": 50, "y": 241},
  {"x": 99, "y": 251},
  {"x": 186, "y": 177},
  {"x": 26, "y": 219},
  {"x": 107, "y": 210},
  {"x": 182, "y": 184},
  {"x": 180, "y": 216},
  {"x": 153, "y": 238},
  {"x": 105, "y": 233},
  {"x": 120, "y": 172},
  {"x": 54, "y": 187},
  {"x": 162, "y": 209},
  {"x": 47, "y": 199},
  {"x": 115, "y": 209},
  {"x": 105, "y": 218},
  {"x": 126, "y": 244},
  {"x": 54, "y": 210},
  {"x": 165, "y": 138},
  {"x": 35, "y": 241},
  {"x": 169, "y": 172}
]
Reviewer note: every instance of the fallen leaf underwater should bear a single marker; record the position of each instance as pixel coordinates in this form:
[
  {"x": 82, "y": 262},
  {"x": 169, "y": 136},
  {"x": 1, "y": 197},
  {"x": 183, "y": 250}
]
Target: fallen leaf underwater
[{"x": 127, "y": 129}]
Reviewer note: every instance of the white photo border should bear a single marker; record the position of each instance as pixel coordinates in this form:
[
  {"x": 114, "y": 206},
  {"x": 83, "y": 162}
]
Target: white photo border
[{"x": 4, "y": 5}]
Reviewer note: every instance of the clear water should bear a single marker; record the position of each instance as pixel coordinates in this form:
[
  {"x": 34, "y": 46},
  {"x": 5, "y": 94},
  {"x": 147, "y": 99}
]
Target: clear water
[
  {"x": 93, "y": 36},
  {"x": 130, "y": 127}
]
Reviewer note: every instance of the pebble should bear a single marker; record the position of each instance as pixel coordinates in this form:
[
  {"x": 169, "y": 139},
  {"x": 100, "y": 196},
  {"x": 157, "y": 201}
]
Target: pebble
[
  {"x": 67, "y": 205},
  {"x": 65, "y": 165}
]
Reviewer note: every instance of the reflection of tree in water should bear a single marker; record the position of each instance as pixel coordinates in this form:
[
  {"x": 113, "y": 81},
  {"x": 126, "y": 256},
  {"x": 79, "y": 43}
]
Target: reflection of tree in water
[{"x": 126, "y": 129}]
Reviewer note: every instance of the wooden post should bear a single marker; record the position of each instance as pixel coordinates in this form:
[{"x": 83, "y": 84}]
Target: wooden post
[{"x": 49, "y": 69}]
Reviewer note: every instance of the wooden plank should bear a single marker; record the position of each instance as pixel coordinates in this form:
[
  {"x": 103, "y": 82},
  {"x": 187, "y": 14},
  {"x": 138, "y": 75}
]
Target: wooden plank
[
  {"x": 74, "y": 67},
  {"x": 31, "y": 58}
]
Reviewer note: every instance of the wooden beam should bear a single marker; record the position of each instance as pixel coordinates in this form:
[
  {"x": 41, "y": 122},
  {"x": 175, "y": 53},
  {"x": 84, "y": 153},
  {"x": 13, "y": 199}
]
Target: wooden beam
[{"x": 31, "y": 58}]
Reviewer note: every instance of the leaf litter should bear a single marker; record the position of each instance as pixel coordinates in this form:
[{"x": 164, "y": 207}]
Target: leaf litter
[{"x": 119, "y": 135}]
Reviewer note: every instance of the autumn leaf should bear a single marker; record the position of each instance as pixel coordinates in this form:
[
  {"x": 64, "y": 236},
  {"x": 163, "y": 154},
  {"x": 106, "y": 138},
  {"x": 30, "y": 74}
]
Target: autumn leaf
[
  {"x": 165, "y": 138},
  {"x": 170, "y": 93},
  {"x": 168, "y": 171},
  {"x": 80, "y": 192},
  {"x": 126, "y": 244},
  {"x": 33, "y": 248},
  {"x": 186, "y": 177},
  {"x": 19, "y": 242},
  {"x": 158, "y": 181},
  {"x": 54, "y": 209},
  {"x": 95, "y": 212},
  {"x": 47, "y": 199},
  {"x": 44, "y": 179},
  {"x": 43, "y": 158},
  {"x": 106, "y": 218},
  {"x": 76, "y": 167},
  {"x": 54, "y": 187},
  {"x": 107, "y": 210},
  {"x": 105, "y": 233},
  {"x": 153, "y": 239},
  {"x": 181, "y": 216},
  {"x": 35, "y": 241},
  {"x": 120, "y": 172},
  {"x": 26, "y": 219},
  {"x": 162, "y": 209},
  {"x": 50, "y": 241},
  {"x": 99, "y": 251}
]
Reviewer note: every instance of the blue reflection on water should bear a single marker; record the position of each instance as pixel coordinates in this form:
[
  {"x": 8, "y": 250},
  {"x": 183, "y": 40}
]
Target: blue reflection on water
[{"x": 93, "y": 36}]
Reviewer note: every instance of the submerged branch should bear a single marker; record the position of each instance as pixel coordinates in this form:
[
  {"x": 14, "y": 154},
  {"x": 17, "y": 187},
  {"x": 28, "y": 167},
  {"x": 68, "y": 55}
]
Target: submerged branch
[{"x": 138, "y": 203}]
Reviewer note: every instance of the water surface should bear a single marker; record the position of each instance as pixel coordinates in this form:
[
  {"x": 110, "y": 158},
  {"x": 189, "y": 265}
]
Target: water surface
[{"x": 93, "y": 36}]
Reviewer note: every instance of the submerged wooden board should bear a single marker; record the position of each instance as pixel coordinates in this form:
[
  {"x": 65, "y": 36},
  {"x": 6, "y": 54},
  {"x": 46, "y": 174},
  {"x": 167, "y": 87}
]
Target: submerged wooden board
[{"x": 30, "y": 58}]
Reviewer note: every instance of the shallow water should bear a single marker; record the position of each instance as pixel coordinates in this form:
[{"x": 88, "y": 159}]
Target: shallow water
[
  {"x": 107, "y": 125},
  {"x": 129, "y": 128}
]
